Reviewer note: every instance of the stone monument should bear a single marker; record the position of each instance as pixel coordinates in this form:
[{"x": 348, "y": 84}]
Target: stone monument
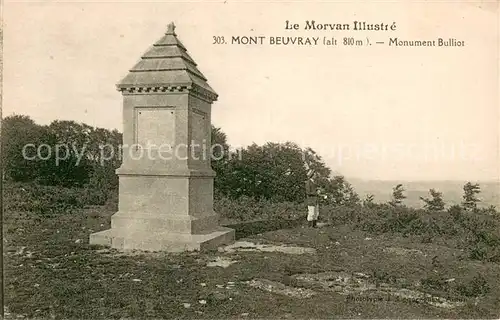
[{"x": 165, "y": 180}]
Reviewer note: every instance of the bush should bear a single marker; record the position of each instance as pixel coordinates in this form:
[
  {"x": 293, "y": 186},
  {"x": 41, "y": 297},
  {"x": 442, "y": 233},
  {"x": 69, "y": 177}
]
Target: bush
[
  {"x": 103, "y": 182},
  {"x": 435, "y": 282},
  {"x": 94, "y": 196},
  {"x": 42, "y": 200},
  {"x": 474, "y": 288},
  {"x": 477, "y": 232},
  {"x": 250, "y": 209}
]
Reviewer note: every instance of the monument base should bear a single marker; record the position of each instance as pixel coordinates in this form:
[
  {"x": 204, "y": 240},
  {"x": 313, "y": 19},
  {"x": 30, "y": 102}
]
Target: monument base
[{"x": 162, "y": 241}]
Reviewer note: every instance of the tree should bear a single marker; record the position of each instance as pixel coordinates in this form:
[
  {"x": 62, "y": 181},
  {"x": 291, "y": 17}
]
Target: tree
[
  {"x": 351, "y": 198},
  {"x": 62, "y": 153},
  {"x": 21, "y": 137},
  {"x": 470, "y": 200},
  {"x": 103, "y": 154},
  {"x": 273, "y": 171},
  {"x": 69, "y": 162},
  {"x": 341, "y": 192},
  {"x": 435, "y": 203},
  {"x": 335, "y": 190},
  {"x": 492, "y": 210},
  {"x": 220, "y": 154},
  {"x": 314, "y": 163},
  {"x": 397, "y": 195},
  {"x": 368, "y": 201}
]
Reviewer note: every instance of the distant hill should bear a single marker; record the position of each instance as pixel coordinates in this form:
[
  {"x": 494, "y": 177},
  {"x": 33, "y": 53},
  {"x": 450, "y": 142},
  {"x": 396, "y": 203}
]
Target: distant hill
[{"x": 452, "y": 190}]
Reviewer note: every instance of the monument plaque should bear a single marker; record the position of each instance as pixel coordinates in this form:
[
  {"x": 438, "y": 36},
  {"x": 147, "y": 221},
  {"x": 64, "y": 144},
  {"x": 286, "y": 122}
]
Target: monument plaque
[
  {"x": 199, "y": 133},
  {"x": 155, "y": 127},
  {"x": 165, "y": 203}
]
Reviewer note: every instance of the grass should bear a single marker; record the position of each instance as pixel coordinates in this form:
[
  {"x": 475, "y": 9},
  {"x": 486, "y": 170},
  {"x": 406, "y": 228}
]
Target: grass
[{"x": 59, "y": 275}]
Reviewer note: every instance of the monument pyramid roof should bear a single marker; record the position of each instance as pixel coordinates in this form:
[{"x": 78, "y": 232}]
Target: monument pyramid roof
[{"x": 166, "y": 66}]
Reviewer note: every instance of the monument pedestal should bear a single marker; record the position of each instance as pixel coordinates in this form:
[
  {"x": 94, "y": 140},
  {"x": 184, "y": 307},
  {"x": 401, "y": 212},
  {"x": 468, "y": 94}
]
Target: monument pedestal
[
  {"x": 125, "y": 239},
  {"x": 164, "y": 213},
  {"x": 165, "y": 181}
]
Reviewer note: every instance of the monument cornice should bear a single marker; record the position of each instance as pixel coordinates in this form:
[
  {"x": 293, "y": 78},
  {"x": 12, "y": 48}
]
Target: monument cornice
[
  {"x": 193, "y": 89},
  {"x": 171, "y": 173}
]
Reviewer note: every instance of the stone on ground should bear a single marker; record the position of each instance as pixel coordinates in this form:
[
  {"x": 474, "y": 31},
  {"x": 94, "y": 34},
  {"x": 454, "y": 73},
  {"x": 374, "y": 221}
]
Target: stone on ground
[
  {"x": 280, "y": 288},
  {"x": 250, "y": 246}
]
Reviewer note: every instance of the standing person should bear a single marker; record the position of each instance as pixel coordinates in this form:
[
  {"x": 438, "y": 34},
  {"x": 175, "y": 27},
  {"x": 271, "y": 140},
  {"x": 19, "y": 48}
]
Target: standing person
[{"x": 312, "y": 199}]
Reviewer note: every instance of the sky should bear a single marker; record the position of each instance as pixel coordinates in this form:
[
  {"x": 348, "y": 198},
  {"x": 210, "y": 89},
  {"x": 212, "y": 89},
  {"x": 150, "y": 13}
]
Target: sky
[{"x": 372, "y": 112}]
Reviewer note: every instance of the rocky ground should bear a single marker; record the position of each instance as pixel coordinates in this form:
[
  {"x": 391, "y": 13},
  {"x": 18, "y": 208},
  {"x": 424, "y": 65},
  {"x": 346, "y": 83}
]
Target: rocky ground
[{"x": 296, "y": 272}]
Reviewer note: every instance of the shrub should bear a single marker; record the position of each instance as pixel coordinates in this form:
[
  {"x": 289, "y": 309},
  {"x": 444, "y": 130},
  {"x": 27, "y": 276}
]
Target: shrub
[
  {"x": 95, "y": 196},
  {"x": 477, "y": 232},
  {"x": 434, "y": 282},
  {"x": 42, "y": 200},
  {"x": 476, "y": 287},
  {"x": 472, "y": 287},
  {"x": 435, "y": 203},
  {"x": 397, "y": 195},
  {"x": 470, "y": 200},
  {"x": 250, "y": 209}
]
